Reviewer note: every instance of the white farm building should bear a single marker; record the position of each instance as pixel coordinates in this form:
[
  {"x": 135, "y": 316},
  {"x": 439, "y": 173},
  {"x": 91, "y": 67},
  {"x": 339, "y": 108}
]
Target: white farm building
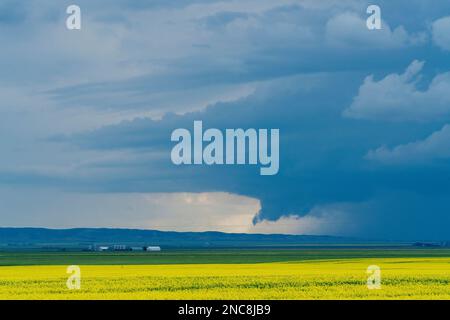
[{"x": 153, "y": 248}]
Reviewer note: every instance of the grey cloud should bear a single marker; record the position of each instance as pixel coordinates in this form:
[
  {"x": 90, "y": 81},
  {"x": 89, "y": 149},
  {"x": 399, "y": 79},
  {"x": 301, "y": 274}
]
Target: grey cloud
[
  {"x": 349, "y": 29},
  {"x": 441, "y": 33},
  {"x": 216, "y": 49},
  {"x": 434, "y": 147},
  {"x": 397, "y": 97}
]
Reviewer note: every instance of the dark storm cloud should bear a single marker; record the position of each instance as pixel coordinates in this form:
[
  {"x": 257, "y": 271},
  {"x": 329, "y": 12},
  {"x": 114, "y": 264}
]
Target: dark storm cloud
[
  {"x": 322, "y": 153},
  {"x": 305, "y": 62}
]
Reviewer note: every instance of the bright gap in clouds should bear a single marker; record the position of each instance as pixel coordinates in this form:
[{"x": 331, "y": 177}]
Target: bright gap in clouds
[{"x": 214, "y": 211}]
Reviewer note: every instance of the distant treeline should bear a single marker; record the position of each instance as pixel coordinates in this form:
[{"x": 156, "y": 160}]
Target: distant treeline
[{"x": 90, "y": 236}]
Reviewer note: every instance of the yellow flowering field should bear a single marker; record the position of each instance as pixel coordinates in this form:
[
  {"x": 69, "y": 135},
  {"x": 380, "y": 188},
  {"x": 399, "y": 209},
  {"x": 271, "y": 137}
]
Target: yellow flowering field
[{"x": 401, "y": 278}]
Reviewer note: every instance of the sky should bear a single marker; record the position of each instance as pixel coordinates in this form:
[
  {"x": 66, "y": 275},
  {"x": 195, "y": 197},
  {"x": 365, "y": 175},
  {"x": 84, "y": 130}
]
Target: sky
[{"x": 364, "y": 115}]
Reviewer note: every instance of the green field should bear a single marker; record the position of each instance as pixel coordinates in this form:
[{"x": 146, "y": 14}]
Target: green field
[
  {"x": 309, "y": 273},
  {"x": 218, "y": 256}
]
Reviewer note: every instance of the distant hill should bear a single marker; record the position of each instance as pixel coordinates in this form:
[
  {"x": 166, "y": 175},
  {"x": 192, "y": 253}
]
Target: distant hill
[{"x": 88, "y": 236}]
